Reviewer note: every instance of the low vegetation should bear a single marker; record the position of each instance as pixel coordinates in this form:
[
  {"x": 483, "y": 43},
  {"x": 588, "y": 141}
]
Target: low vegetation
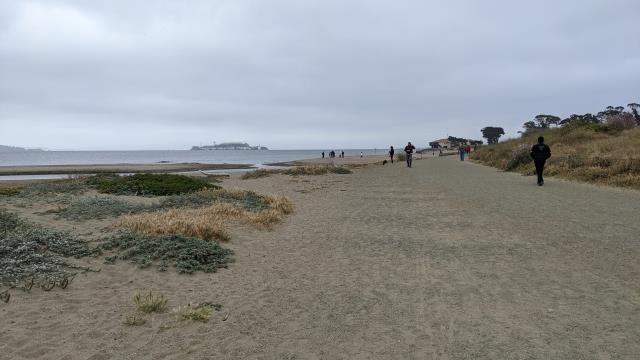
[
  {"x": 33, "y": 255},
  {"x": 401, "y": 157},
  {"x": 98, "y": 207},
  {"x": 148, "y": 184},
  {"x": 200, "y": 312},
  {"x": 297, "y": 171},
  {"x": 135, "y": 320},
  {"x": 588, "y": 152},
  {"x": 149, "y": 303},
  {"x": 187, "y": 254},
  {"x": 209, "y": 223}
]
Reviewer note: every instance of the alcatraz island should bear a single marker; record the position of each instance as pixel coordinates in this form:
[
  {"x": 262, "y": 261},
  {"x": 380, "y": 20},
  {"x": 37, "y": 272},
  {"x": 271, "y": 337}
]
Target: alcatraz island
[{"x": 229, "y": 146}]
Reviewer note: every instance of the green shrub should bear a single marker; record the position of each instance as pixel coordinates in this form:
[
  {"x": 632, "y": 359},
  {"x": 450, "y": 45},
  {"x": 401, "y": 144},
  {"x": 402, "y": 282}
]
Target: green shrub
[
  {"x": 148, "y": 184},
  {"x": 98, "y": 207},
  {"x": 187, "y": 254},
  {"x": 401, "y": 156},
  {"x": 51, "y": 187}
]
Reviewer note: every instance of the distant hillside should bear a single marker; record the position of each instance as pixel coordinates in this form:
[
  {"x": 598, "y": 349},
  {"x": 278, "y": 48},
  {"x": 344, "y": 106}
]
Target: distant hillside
[
  {"x": 592, "y": 153},
  {"x": 5, "y": 148}
]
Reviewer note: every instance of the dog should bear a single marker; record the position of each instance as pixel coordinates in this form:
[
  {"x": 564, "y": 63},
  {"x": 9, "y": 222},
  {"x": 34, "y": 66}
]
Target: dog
[{"x": 384, "y": 162}]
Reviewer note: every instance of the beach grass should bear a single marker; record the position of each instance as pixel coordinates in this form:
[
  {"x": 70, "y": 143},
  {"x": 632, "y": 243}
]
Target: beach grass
[
  {"x": 591, "y": 153},
  {"x": 150, "y": 303},
  {"x": 307, "y": 170},
  {"x": 208, "y": 223},
  {"x": 200, "y": 312}
]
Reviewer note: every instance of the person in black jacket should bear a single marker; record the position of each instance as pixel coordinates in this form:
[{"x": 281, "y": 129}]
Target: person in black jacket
[{"x": 540, "y": 153}]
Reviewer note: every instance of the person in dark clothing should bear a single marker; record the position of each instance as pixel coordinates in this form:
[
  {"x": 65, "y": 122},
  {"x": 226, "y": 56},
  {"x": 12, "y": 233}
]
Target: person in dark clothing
[
  {"x": 323, "y": 154},
  {"x": 391, "y": 152},
  {"x": 342, "y": 153},
  {"x": 409, "y": 151},
  {"x": 540, "y": 153}
]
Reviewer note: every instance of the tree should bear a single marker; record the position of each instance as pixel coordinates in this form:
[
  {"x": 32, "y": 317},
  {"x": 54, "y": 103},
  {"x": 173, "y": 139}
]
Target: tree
[
  {"x": 434, "y": 144},
  {"x": 545, "y": 121},
  {"x": 609, "y": 111},
  {"x": 634, "y": 109},
  {"x": 492, "y": 134}
]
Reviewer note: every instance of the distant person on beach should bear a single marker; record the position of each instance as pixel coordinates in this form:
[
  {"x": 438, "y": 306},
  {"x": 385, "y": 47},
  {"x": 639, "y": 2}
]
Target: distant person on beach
[
  {"x": 323, "y": 154},
  {"x": 540, "y": 153},
  {"x": 342, "y": 153},
  {"x": 361, "y": 154},
  {"x": 409, "y": 151},
  {"x": 461, "y": 152},
  {"x": 391, "y": 152},
  {"x": 467, "y": 149}
]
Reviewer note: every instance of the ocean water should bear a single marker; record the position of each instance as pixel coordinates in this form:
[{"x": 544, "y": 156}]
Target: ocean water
[{"x": 253, "y": 157}]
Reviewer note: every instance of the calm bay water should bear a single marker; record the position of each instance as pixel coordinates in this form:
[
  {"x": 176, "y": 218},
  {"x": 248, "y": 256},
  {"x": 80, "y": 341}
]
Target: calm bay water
[{"x": 254, "y": 157}]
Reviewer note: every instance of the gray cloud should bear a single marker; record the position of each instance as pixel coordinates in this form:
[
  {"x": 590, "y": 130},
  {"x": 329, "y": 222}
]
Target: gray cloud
[{"x": 291, "y": 74}]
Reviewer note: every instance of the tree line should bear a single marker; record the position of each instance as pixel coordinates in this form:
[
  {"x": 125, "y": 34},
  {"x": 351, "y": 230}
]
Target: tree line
[{"x": 616, "y": 116}]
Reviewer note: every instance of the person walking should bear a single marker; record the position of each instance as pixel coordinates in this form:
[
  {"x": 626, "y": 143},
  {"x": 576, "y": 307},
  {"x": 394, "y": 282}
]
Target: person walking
[
  {"x": 461, "y": 152},
  {"x": 342, "y": 154},
  {"x": 540, "y": 153},
  {"x": 361, "y": 154},
  {"x": 391, "y": 152},
  {"x": 323, "y": 154},
  {"x": 409, "y": 151}
]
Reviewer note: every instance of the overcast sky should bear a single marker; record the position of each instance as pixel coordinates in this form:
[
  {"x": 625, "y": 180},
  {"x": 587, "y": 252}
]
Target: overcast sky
[{"x": 141, "y": 74}]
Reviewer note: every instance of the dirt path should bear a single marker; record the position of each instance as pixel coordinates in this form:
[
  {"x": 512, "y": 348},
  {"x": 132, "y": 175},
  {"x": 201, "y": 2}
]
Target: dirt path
[{"x": 447, "y": 260}]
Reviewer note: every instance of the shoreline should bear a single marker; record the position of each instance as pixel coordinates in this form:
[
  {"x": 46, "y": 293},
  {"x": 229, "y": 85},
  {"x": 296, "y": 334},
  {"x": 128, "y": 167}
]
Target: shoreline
[{"x": 114, "y": 168}]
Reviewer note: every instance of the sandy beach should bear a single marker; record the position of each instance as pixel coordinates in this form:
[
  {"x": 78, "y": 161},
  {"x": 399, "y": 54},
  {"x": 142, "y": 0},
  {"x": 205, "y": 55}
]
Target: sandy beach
[{"x": 447, "y": 260}]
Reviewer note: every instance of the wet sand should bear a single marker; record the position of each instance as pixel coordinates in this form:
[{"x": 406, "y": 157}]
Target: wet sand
[{"x": 115, "y": 168}]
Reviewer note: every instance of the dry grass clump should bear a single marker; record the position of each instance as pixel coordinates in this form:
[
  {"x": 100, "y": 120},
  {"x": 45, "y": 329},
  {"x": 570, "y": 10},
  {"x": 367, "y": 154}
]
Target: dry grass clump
[
  {"x": 207, "y": 223},
  {"x": 150, "y": 303},
  {"x": 584, "y": 153},
  {"x": 200, "y": 312},
  {"x": 9, "y": 190},
  {"x": 309, "y": 170},
  {"x": 259, "y": 173}
]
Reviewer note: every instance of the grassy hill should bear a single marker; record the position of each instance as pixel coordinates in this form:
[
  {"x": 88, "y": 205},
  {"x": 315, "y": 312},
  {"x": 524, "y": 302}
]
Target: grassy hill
[{"x": 593, "y": 153}]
